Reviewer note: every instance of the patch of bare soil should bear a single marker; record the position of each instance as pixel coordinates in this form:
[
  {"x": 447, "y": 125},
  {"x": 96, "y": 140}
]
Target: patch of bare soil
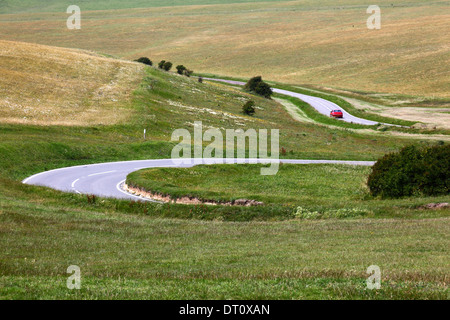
[
  {"x": 188, "y": 200},
  {"x": 435, "y": 206}
]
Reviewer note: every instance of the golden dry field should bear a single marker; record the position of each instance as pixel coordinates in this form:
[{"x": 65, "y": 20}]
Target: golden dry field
[
  {"x": 310, "y": 42},
  {"x": 53, "y": 86}
]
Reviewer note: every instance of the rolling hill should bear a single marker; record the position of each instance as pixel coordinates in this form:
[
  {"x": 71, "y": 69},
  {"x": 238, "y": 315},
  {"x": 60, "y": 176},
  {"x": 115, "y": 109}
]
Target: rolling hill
[{"x": 49, "y": 86}]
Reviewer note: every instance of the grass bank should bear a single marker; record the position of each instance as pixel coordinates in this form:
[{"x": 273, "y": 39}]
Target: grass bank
[
  {"x": 142, "y": 257},
  {"x": 296, "y": 192}
]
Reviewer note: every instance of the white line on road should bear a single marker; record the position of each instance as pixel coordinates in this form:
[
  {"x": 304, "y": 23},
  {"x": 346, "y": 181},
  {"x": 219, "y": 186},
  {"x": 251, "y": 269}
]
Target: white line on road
[
  {"x": 132, "y": 195},
  {"x": 97, "y": 174},
  {"x": 73, "y": 183},
  {"x": 73, "y": 186},
  {"x": 163, "y": 166}
]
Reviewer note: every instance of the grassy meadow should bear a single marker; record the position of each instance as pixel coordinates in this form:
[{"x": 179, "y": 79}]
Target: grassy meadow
[
  {"x": 142, "y": 257},
  {"x": 322, "y": 190},
  {"x": 308, "y": 42},
  {"x": 134, "y": 250}
]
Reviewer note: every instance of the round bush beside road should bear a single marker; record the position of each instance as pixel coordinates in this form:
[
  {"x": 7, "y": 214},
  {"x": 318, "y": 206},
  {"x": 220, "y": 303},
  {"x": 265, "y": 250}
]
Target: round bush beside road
[{"x": 412, "y": 171}]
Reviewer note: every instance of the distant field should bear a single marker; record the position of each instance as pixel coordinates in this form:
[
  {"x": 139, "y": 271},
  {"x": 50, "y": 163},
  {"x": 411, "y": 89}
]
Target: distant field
[
  {"x": 322, "y": 43},
  {"x": 14, "y": 6}
]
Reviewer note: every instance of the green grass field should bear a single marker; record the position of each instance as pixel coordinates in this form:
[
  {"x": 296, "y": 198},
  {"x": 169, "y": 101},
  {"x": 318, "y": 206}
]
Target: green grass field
[
  {"x": 141, "y": 257},
  {"x": 148, "y": 251},
  {"x": 327, "y": 190}
]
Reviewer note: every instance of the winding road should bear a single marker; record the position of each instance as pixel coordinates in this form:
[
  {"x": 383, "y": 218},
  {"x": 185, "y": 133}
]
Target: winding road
[
  {"x": 321, "y": 105},
  {"x": 106, "y": 179}
]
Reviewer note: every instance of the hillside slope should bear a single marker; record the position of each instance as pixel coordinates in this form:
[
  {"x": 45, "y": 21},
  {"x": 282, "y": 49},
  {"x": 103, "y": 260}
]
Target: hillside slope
[{"x": 49, "y": 86}]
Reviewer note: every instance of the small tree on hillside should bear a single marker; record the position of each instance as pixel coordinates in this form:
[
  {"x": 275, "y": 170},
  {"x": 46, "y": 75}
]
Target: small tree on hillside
[
  {"x": 145, "y": 60},
  {"x": 252, "y": 83},
  {"x": 249, "y": 108},
  {"x": 258, "y": 86},
  {"x": 263, "y": 89},
  {"x": 161, "y": 64},
  {"x": 167, "y": 66},
  {"x": 181, "y": 69}
]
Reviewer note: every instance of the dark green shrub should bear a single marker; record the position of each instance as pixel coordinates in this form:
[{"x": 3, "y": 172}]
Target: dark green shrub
[
  {"x": 145, "y": 60},
  {"x": 263, "y": 89},
  {"x": 252, "y": 83},
  {"x": 412, "y": 171},
  {"x": 161, "y": 64},
  {"x": 258, "y": 86},
  {"x": 249, "y": 108},
  {"x": 181, "y": 69},
  {"x": 167, "y": 66}
]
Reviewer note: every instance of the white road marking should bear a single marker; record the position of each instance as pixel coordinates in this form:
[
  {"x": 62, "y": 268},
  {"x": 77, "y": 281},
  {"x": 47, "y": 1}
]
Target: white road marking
[
  {"x": 97, "y": 174},
  {"x": 73, "y": 186},
  {"x": 132, "y": 195},
  {"x": 164, "y": 166},
  {"x": 73, "y": 183}
]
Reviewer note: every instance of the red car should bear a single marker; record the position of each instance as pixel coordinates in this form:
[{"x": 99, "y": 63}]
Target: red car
[{"x": 336, "y": 114}]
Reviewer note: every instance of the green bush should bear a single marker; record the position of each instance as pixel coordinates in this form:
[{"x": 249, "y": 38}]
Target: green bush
[
  {"x": 263, "y": 89},
  {"x": 412, "y": 171},
  {"x": 181, "y": 69},
  {"x": 167, "y": 66},
  {"x": 258, "y": 86},
  {"x": 249, "y": 108},
  {"x": 161, "y": 64},
  {"x": 145, "y": 60}
]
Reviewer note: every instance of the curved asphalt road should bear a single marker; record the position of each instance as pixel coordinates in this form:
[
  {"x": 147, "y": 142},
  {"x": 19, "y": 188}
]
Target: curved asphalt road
[
  {"x": 105, "y": 179},
  {"x": 321, "y": 105}
]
